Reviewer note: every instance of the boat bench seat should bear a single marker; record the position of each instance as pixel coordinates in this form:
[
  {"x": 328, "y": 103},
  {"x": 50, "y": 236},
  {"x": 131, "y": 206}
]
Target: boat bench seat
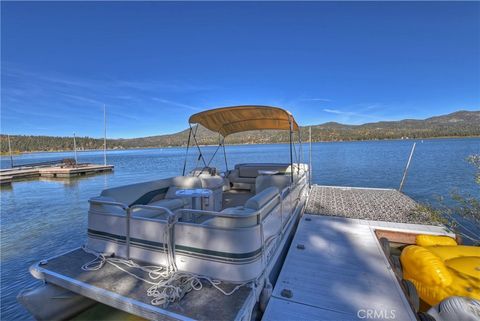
[
  {"x": 163, "y": 193},
  {"x": 263, "y": 202},
  {"x": 243, "y": 176},
  {"x": 171, "y": 204},
  {"x": 160, "y": 193},
  {"x": 263, "y": 182}
]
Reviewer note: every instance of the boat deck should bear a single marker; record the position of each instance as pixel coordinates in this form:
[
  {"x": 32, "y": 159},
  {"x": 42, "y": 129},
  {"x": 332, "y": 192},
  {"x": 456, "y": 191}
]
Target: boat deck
[
  {"x": 335, "y": 268},
  {"x": 124, "y": 292}
]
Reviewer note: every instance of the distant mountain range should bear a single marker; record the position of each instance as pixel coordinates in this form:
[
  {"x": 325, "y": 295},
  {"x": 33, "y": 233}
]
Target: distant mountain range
[{"x": 457, "y": 124}]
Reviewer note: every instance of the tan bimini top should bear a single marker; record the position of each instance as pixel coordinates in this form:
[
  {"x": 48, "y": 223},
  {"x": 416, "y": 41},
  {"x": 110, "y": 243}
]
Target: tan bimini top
[{"x": 236, "y": 119}]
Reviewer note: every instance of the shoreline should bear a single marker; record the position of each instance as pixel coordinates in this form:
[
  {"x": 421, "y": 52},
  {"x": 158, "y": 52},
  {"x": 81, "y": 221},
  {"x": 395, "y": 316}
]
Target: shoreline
[{"x": 14, "y": 154}]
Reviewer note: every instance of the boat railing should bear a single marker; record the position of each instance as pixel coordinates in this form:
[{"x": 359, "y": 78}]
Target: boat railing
[
  {"x": 257, "y": 213},
  {"x": 111, "y": 203},
  {"x": 186, "y": 214},
  {"x": 170, "y": 219},
  {"x": 213, "y": 213}
]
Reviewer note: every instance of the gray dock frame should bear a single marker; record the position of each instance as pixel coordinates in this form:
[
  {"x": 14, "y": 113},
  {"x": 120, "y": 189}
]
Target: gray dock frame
[{"x": 335, "y": 268}]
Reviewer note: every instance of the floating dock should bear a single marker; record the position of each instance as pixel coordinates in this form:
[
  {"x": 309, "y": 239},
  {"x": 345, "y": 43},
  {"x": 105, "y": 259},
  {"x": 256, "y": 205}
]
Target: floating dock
[
  {"x": 57, "y": 170},
  {"x": 335, "y": 268},
  {"x": 80, "y": 170},
  {"x": 6, "y": 180}
]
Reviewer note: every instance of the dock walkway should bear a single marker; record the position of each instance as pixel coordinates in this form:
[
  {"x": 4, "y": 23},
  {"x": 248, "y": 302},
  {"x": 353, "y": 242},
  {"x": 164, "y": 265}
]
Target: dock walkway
[{"x": 335, "y": 268}]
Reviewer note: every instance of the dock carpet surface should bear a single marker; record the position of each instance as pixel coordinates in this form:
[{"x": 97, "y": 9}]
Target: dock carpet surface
[{"x": 365, "y": 203}]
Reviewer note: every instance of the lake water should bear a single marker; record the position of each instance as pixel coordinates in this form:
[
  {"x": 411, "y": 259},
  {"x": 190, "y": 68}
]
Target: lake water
[{"x": 42, "y": 218}]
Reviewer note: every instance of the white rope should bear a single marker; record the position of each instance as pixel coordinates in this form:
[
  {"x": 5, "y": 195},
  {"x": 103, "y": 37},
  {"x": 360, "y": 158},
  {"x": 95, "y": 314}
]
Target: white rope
[{"x": 167, "y": 284}]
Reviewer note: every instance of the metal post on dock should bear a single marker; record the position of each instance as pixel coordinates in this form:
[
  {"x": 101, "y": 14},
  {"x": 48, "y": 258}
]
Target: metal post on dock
[
  {"x": 10, "y": 151},
  {"x": 310, "y": 157},
  {"x": 75, "y": 148},
  {"x": 104, "y": 135},
  {"x": 406, "y": 167},
  {"x": 291, "y": 151}
]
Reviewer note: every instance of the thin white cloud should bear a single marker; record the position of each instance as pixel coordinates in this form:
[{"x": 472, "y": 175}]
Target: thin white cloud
[
  {"x": 83, "y": 99},
  {"x": 336, "y": 111},
  {"x": 174, "y": 103},
  {"x": 349, "y": 113},
  {"x": 56, "y": 80},
  {"x": 323, "y": 100}
]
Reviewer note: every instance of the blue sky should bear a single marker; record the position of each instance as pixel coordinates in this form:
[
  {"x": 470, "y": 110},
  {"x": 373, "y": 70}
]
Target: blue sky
[{"x": 154, "y": 63}]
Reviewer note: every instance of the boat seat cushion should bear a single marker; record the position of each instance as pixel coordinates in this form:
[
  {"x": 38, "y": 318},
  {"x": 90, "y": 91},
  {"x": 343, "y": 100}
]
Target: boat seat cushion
[
  {"x": 251, "y": 169},
  {"x": 212, "y": 182},
  {"x": 233, "y": 222},
  {"x": 235, "y": 177},
  {"x": 140, "y": 193},
  {"x": 260, "y": 200},
  {"x": 243, "y": 183},
  {"x": 244, "y": 175},
  {"x": 171, "y": 204},
  {"x": 265, "y": 181}
]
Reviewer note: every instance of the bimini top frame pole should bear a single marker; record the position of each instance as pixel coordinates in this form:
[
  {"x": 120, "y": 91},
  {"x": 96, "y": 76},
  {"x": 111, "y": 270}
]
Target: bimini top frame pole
[
  {"x": 224, "y": 154},
  {"x": 291, "y": 152},
  {"x": 186, "y": 153},
  {"x": 230, "y": 120}
]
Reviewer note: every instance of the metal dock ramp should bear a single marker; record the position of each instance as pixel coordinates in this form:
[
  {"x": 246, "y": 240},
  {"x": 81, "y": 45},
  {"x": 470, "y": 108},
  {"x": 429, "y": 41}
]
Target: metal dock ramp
[{"x": 335, "y": 268}]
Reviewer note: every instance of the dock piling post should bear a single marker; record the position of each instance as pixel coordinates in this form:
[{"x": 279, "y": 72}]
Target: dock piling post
[
  {"x": 104, "y": 135},
  {"x": 75, "y": 148},
  {"x": 406, "y": 167},
  {"x": 10, "y": 151},
  {"x": 310, "y": 157}
]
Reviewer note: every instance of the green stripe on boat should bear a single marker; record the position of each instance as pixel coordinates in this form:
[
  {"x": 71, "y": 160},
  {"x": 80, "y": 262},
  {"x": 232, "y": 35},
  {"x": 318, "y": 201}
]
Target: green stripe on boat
[{"x": 180, "y": 248}]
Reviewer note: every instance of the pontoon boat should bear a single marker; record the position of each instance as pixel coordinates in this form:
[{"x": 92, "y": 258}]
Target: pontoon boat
[{"x": 203, "y": 245}]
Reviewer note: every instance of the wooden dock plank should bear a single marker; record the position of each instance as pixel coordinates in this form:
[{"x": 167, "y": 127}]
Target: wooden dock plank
[
  {"x": 58, "y": 171},
  {"x": 4, "y": 180},
  {"x": 53, "y": 171}
]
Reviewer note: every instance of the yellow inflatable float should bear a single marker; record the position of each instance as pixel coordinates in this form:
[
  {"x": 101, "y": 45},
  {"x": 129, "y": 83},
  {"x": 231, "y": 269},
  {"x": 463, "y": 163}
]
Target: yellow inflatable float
[{"x": 439, "y": 268}]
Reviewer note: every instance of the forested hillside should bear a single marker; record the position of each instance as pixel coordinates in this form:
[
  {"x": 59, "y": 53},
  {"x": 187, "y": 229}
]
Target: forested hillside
[{"x": 458, "y": 124}]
